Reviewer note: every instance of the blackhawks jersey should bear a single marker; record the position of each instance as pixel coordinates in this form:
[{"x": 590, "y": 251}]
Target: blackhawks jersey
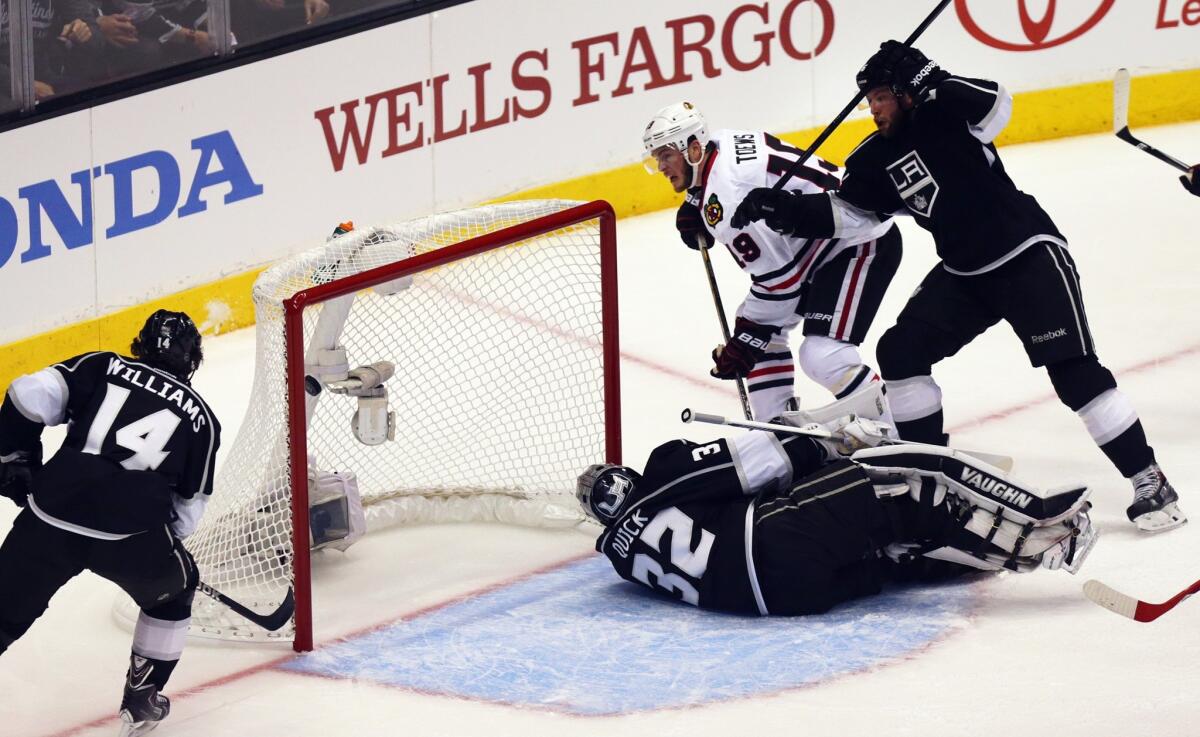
[
  {"x": 138, "y": 417},
  {"x": 687, "y": 527},
  {"x": 942, "y": 168},
  {"x": 778, "y": 265}
]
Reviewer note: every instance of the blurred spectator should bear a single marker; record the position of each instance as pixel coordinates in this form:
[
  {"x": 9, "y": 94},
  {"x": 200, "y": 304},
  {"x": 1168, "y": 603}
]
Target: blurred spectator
[
  {"x": 144, "y": 36},
  {"x": 66, "y": 48},
  {"x": 259, "y": 20}
]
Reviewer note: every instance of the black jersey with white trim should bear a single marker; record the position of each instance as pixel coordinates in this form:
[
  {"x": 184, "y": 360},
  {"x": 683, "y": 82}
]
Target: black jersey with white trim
[
  {"x": 942, "y": 168},
  {"x": 133, "y": 414},
  {"x": 687, "y": 528}
]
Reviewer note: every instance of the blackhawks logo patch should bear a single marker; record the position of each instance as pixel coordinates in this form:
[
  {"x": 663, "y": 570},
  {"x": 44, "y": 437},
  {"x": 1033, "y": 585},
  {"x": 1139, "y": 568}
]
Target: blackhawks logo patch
[{"x": 713, "y": 212}]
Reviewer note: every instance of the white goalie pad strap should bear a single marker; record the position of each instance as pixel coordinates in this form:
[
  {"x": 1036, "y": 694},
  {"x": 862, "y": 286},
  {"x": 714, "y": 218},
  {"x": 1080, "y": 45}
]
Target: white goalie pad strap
[
  {"x": 954, "y": 555},
  {"x": 969, "y": 478},
  {"x": 1009, "y": 533}
]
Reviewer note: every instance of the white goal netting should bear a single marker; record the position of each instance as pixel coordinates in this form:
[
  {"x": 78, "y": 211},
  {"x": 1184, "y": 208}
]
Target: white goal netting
[{"x": 499, "y": 393}]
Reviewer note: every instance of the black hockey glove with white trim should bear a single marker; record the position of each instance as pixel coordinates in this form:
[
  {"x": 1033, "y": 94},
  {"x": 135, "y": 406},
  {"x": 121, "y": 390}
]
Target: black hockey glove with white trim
[
  {"x": 746, "y": 347},
  {"x": 16, "y": 474},
  {"x": 689, "y": 221},
  {"x": 1191, "y": 180}
]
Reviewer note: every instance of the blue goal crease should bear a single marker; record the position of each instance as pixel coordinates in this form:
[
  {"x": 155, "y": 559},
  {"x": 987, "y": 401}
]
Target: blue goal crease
[{"x": 579, "y": 640}]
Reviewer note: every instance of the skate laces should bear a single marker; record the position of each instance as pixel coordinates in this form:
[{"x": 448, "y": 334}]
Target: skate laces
[{"x": 1147, "y": 483}]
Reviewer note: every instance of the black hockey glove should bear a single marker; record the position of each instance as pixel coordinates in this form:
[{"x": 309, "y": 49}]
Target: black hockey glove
[
  {"x": 689, "y": 221},
  {"x": 1191, "y": 180},
  {"x": 775, "y": 207},
  {"x": 746, "y": 347},
  {"x": 16, "y": 474},
  {"x": 905, "y": 70}
]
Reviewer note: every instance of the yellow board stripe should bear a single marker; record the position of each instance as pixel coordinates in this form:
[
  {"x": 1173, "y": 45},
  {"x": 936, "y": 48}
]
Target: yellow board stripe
[{"x": 225, "y": 304}]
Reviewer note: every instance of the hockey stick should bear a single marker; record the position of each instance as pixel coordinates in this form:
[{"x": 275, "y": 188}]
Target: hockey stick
[
  {"x": 1121, "y": 122},
  {"x": 1004, "y": 463},
  {"x": 1127, "y": 606},
  {"x": 716, "y": 295},
  {"x": 272, "y": 621},
  {"x": 829, "y": 129}
]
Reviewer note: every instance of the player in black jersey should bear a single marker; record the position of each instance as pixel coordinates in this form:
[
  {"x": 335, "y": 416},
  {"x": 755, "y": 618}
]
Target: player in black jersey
[
  {"x": 128, "y": 484},
  {"x": 760, "y": 524},
  {"x": 1002, "y": 258}
]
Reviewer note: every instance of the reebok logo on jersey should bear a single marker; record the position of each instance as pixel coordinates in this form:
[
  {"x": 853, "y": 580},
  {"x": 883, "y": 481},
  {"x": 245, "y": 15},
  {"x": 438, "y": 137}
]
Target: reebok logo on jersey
[
  {"x": 1044, "y": 337},
  {"x": 713, "y": 211},
  {"x": 995, "y": 487}
]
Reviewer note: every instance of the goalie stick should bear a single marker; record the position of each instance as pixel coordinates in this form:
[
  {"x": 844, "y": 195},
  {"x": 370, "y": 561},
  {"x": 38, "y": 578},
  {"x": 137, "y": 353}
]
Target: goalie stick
[
  {"x": 1121, "y": 122},
  {"x": 272, "y": 621},
  {"x": 1127, "y": 606},
  {"x": 1004, "y": 463}
]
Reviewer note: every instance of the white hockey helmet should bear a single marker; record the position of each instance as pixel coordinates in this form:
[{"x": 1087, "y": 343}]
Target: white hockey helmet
[{"x": 675, "y": 125}]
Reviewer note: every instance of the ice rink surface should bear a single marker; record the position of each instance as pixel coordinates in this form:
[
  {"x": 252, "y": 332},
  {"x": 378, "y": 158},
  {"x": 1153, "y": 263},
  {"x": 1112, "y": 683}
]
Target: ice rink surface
[{"x": 1004, "y": 655}]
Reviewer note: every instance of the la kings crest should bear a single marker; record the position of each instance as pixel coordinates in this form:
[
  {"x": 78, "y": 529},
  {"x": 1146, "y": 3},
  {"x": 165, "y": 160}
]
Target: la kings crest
[{"x": 916, "y": 185}]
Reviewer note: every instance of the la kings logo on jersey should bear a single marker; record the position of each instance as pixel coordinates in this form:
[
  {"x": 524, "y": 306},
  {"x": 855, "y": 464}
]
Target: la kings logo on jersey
[{"x": 916, "y": 185}]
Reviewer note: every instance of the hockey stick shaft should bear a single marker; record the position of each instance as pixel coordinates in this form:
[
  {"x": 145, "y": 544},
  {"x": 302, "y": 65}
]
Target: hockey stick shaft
[
  {"x": 1121, "y": 84},
  {"x": 999, "y": 461},
  {"x": 1127, "y": 606},
  {"x": 833, "y": 125},
  {"x": 716, "y": 295},
  {"x": 271, "y": 622}
]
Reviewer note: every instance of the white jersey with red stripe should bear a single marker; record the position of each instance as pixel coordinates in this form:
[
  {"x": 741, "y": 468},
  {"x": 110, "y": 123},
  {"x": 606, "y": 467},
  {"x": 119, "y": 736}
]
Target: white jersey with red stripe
[{"x": 778, "y": 265}]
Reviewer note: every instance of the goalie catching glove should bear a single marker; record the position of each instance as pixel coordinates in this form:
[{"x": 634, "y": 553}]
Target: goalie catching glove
[{"x": 746, "y": 347}]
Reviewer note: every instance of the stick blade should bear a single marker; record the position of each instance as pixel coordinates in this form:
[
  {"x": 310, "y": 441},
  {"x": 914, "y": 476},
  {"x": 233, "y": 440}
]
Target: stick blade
[
  {"x": 1121, "y": 101},
  {"x": 1111, "y": 599}
]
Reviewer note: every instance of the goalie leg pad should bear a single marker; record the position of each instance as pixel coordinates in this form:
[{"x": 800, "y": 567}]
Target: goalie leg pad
[
  {"x": 997, "y": 520},
  {"x": 980, "y": 484}
]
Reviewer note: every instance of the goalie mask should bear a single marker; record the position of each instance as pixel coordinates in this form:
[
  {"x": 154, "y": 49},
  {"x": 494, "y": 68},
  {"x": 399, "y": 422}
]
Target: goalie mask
[
  {"x": 170, "y": 341},
  {"x": 603, "y": 490},
  {"x": 675, "y": 126}
]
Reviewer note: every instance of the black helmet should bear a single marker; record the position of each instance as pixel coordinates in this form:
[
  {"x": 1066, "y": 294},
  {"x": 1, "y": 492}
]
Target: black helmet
[
  {"x": 603, "y": 489},
  {"x": 170, "y": 341}
]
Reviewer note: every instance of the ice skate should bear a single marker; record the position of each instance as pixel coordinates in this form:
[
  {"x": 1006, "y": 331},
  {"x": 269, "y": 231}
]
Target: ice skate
[
  {"x": 1155, "y": 505},
  {"x": 142, "y": 709}
]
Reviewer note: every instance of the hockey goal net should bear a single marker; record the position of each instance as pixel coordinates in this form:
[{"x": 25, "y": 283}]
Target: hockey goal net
[{"x": 501, "y": 324}]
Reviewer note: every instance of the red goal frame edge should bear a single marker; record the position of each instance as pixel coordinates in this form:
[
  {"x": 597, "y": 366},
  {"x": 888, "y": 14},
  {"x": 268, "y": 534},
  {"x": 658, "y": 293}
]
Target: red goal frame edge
[{"x": 294, "y": 342}]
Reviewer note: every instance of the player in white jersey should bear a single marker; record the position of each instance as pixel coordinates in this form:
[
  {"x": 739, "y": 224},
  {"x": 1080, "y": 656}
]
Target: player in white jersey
[{"x": 833, "y": 285}]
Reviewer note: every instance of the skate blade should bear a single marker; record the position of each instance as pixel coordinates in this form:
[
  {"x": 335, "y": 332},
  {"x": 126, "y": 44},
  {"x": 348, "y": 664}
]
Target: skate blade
[
  {"x": 133, "y": 729},
  {"x": 1161, "y": 520}
]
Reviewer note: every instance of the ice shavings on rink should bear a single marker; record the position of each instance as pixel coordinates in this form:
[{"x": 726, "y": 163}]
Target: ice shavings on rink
[{"x": 579, "y": 640}]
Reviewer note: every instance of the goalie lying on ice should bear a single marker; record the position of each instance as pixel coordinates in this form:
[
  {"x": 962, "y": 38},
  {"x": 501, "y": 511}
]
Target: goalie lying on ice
[{"x": 760, "y": 524}]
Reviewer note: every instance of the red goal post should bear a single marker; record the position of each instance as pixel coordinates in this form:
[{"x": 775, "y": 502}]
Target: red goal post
[{"x": 598, "y": 211}]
